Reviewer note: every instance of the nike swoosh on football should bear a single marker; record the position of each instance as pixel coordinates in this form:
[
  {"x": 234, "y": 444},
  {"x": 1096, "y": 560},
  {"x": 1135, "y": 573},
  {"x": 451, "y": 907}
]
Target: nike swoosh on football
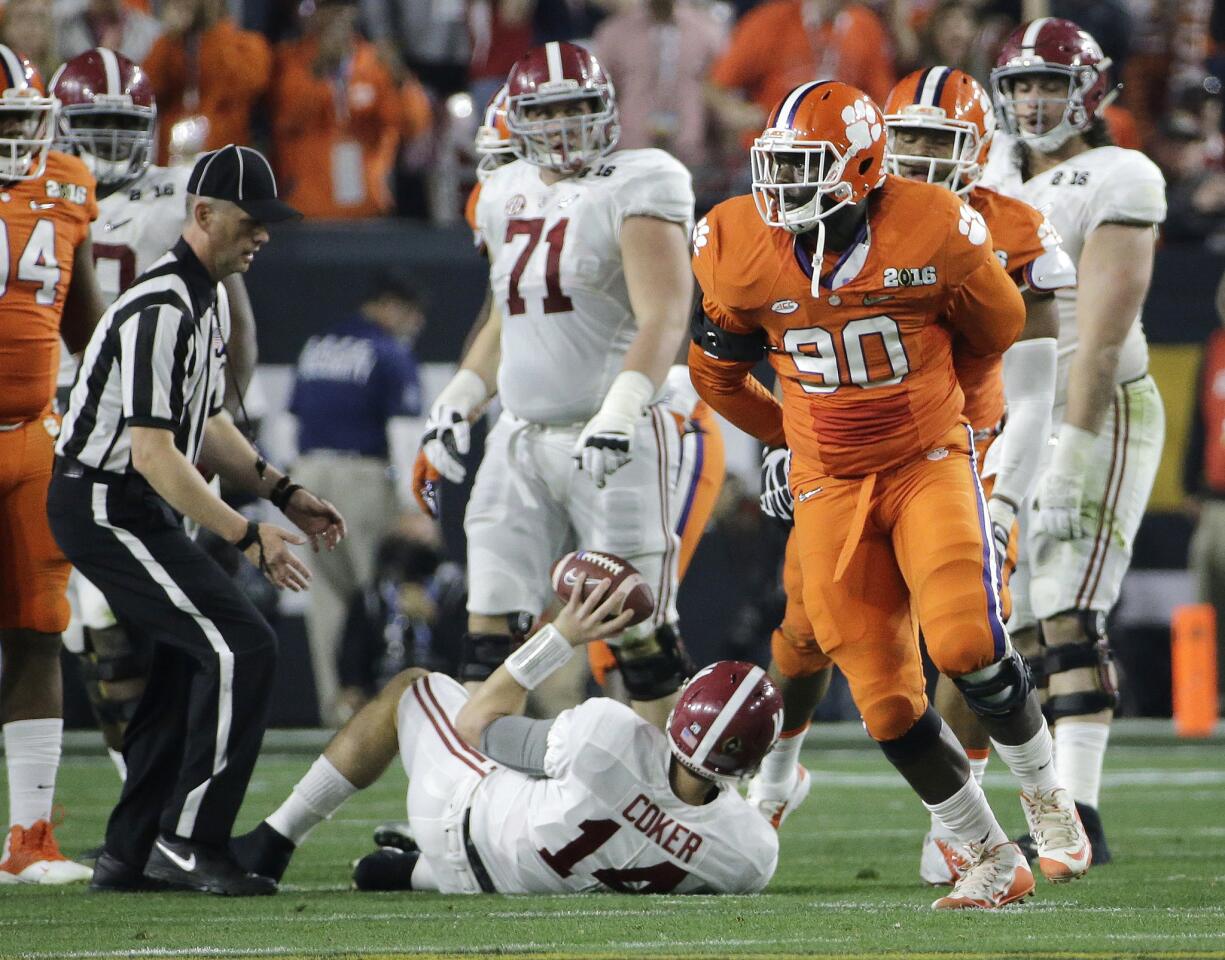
[
  {"x": 116, "y": 226},
  {"x": 189, "y": 864}
]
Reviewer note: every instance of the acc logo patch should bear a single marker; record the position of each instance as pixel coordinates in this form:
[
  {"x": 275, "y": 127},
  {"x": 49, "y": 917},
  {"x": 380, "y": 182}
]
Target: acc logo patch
[
  {"x": 515, "y": 204},
  {"x": 784, "y": 306}
]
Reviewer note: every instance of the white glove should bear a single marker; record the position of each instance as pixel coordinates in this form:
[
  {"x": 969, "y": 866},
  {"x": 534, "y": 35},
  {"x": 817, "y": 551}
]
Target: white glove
[
  {"x": 447, "y": 436},
  {"x": 776, "y": 499},
  {"x": 1060, "y": 504},
  {"x": 1003, "y": 514},
  {"x": 604, "y": 446}
]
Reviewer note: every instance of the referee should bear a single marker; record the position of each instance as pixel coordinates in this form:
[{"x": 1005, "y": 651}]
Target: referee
[{"x": 145, "y": 409}]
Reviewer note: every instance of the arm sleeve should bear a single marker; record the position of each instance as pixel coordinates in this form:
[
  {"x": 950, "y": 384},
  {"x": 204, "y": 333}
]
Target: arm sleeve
[
  {"x": 1132, "y": 192},
  {"x": 152, "y": 346},
  {"x": 517, "y": 742},
  {"x": 1029, "y": 388}
]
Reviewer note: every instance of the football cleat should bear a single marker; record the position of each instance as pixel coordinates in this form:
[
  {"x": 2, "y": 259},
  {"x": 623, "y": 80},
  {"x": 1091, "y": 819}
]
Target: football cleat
[
  {"x": 396, "y": 833},
  {"x": 263, "y": 852},
  {"x": 387, "y": 868},
  {"x": 776, "y": 802},
  {"x": 943, "y": 860},
  {"x": 1059, "y": 837},
  {"x": 994, "y": 878},
  {"x": 35, "y": 857}
]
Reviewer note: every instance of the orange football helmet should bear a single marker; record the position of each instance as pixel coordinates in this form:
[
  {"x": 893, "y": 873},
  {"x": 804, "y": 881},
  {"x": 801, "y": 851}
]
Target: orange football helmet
[
  {"x": 823, "y": 149},
  {"x": 493, "y": 142},
  {"x": 941, "y": 99},
  {"x": 27, "y": 118}
]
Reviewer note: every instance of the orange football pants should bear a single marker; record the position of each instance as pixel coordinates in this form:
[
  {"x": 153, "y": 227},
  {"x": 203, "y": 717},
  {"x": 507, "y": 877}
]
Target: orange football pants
[
  {"x": 882, "y": 556},
  {"x": 33, "y": 571},
  {"x": 704, "y": 489}
]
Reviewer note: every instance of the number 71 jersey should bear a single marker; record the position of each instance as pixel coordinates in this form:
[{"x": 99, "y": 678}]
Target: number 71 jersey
[
  {"x": 557, "y": 277},
  {"x": 867, "y": 366}
]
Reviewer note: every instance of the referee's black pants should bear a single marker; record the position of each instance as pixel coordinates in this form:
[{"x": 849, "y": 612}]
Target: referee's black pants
[{"x": 192, "y": 743}]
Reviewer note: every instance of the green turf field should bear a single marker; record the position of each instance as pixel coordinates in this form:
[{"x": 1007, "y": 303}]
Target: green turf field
[{"x": 846, "y": 885}]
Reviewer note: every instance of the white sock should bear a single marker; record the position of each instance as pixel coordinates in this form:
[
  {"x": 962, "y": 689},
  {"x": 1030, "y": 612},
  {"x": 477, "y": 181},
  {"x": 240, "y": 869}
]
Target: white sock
[
  {"x": 968, "y": 817},
  {"x": 32, "y": 750},
  {"x": 778, "y": 767},
  {"x": 978, "y": 767},
  {"x": 120, "y": 765},
  {"x": 1079, "y": 750},
  {"x": 1032, "y": 762},
  {"x": 314, "y": 799}
]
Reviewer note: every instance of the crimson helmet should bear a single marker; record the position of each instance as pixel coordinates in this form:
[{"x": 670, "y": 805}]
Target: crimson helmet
[
  {"x": 494, "y": 146},
  {"x": 107, "y": 114},
  {"x": 941, "y": 99},
  {"x": 559, "y": 74},
  {"x": 726, "y": 720},
  {"x": 27, "y": 118},
  {"x": 1054, "y": 47}
]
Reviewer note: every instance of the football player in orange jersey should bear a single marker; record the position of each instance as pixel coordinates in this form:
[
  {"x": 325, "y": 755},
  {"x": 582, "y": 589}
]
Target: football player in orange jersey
[
  {"x": 856, "y": 285},
  {"x": 47, "y": 288}
]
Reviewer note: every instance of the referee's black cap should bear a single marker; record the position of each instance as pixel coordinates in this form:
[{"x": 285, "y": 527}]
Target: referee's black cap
[{"x": 243, "y": 176}]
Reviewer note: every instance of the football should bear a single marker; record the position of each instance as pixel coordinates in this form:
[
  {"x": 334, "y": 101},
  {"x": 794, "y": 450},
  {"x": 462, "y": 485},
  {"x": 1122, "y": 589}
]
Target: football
[{"x": 592, "y": 566}]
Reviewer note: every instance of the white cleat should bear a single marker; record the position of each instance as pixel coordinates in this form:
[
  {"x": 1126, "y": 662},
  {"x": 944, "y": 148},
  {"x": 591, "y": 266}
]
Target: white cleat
[
  {"x": 943, "y": 860},
  {"x": 1064, "y": 852},
  {"x": 994, "y": 878},
  {"x": 34, "y": 857},
  {"x": 776, "y": 802}
]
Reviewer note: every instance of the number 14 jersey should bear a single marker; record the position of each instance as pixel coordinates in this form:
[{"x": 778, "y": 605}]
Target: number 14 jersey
[
  {"x": 605, "y": 818},
  {"x": 557, "y": 278},
  {"x": 866, "y": 367}
]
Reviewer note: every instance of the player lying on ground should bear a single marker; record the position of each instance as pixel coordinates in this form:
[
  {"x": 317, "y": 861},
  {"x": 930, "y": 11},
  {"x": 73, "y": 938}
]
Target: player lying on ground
[{"x": 494, "y": 798}]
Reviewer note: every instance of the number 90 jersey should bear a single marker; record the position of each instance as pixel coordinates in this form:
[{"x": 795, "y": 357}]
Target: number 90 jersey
[
  {"x": 605, "y": 818},
  {"x": 867, "y": 367},
  {"x": 556, "y": 273}
]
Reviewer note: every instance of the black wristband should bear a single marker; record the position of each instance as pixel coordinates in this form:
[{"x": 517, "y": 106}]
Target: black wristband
[
  {"x": 248, "y": 538},
  {"x": 281, "y": 493}
]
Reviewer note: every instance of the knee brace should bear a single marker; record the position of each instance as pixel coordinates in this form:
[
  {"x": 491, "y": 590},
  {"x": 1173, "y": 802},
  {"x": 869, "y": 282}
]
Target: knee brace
[
  {"x": 483, "y": 653},
  {"x": 1092, "y": 651},
  {"x": 654, "y": 666},
  {"x": 115, "y": 666},
  {"x": 999, "y": 689}
]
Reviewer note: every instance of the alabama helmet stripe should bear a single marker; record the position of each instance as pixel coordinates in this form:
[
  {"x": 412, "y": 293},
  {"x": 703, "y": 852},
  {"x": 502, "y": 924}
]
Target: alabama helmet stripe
[
  {"x": 15, "y": 75},
  {"x": 733, "y": 705},
  {"x": 1031, "y": 35},
  {"x": 552, "y": 53},
  {"x": 110, "y": 63}
]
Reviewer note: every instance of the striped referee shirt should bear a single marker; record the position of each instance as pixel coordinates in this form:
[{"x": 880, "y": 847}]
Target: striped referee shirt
[{"x": 156, "y": 359}]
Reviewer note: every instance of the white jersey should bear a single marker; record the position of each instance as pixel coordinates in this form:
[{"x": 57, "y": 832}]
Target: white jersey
[
  {"x": 136, "y": 224},
  {"x": 1103, "y": 185},
  {"x": 604, "y": 817},
  {"x": 556, "y": 275}
]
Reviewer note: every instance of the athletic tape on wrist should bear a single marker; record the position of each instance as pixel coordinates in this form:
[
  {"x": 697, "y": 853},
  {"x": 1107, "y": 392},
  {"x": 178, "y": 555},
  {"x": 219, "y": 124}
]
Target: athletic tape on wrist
[{"x": 546, "y": 652}]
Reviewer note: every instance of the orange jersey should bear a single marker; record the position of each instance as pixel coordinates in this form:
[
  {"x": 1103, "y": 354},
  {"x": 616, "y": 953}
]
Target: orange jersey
[
  {"x": 866, "y": 368},
  {"x": 44, "y": 222},
  {"x": 1015, "y": 233}
]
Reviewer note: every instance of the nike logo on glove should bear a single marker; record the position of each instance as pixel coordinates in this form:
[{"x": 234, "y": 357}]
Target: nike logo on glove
[{"x": 189, "y": 864}]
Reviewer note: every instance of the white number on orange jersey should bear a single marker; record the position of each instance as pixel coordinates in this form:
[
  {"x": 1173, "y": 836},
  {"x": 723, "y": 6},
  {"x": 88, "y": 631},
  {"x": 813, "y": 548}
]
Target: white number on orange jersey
[
  {"x": 37, "y": 264},
  {"x": 814, "y": 351}
]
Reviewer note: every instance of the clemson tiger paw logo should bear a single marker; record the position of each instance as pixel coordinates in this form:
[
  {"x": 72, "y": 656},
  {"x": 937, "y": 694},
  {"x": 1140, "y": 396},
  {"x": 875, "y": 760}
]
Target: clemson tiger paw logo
[
  {"x": 863, "y": 126},
  {"x": 972, "y": 226},
  {"x": 700, "y": 235}
]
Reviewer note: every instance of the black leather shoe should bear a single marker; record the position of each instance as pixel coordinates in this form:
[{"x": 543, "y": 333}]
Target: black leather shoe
[
  {"x": 263, "y": 851},
  {"x": 194, "y": 866},
  {"x": 388, "y": 868},
  {"x": 112, "y": 875},
  {"x": 395, "y": 833}
]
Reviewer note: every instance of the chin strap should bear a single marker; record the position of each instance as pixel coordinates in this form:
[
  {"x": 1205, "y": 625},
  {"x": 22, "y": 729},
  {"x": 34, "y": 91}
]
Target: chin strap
[{"x": 817, "y": 258}]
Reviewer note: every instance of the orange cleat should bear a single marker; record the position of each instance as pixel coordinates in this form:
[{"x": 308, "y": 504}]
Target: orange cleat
[{"x": 33, "y": 856}]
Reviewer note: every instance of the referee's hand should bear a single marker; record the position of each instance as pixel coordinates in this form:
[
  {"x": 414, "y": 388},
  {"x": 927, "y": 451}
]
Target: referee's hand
[
  {"x": 272, "y": 557},
  {"x": 317, "y": 518}
]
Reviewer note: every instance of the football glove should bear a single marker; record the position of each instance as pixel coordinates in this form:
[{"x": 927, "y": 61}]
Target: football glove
[
  {"x": 776, "y": 499},
  {"x": 604, "y": 445},
  {"x": 447, "y": 437},
  {"x": 425, "y": 484},
  {"x": 1061, "y": 509}
]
